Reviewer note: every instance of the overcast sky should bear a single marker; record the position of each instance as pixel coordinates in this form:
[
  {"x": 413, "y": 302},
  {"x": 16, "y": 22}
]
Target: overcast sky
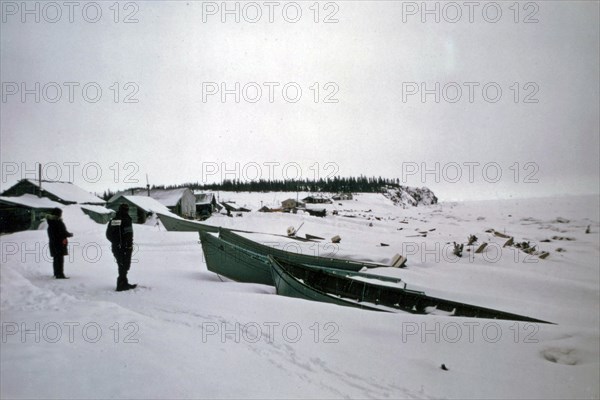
[{"x": 518, "y": 93}]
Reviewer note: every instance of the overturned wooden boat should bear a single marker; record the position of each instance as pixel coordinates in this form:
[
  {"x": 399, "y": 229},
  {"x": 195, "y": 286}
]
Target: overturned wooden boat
[
  {"x": 318, "y": 284},
  {"x": 288, "y": 250},
  {"x": 242, "y": 264},
  {"x": 178, "y": 224},
  {"x": 234, "y": 262}
]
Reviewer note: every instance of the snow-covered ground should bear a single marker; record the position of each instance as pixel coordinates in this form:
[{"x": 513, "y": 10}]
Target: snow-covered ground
[{"x": 187, "y": 333}]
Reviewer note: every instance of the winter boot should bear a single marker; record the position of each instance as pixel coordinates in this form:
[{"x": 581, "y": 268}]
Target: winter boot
[{"x": 122, "y": 285}]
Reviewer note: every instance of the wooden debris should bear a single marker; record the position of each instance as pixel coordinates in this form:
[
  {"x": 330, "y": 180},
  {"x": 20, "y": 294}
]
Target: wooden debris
[
  {"x": 336, "y": 239},
  {"x": 313, "y": 237},
  {"x": 500, "y": 234},
  {"x": 481, "y": 248},
  {"x": 398, "y": 261},
  {"x": 472, "y": 240},
  {"x": 544, "y": 255},
  {"x": 509, "y": 242}
]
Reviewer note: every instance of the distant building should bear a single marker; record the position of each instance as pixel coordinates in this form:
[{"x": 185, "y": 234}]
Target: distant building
[
  {"x": 140, "y": 207},
  {"x": 316, "y": 200},
  {"x": 290, "y": 204},
  {"x": 179, "y": 201},
  {"x": 24, "y": 212},
  {"x": 342, "y": 196},
  {"x": 206, "y": 204},
  {"x": 232, "y": 207},
  {"x": 61, "y": 192},
  {"x": 99, "y": 214},
  {"x": 316, "y": 212}
]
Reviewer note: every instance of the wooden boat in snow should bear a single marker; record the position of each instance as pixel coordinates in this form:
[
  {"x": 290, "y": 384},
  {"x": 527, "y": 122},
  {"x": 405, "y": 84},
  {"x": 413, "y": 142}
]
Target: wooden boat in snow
[
  {"x": 234, "y": 262},
  {"x": 243, "y": 264},
  {"x": 318, "y": 284},
  {"x": 288, "y": 250},
  {"x": 178, "y": 224}
]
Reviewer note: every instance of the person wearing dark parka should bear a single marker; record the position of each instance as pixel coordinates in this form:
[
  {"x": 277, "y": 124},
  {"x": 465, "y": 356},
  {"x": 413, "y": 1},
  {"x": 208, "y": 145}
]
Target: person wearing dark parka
[
  {"x": 120, "y": 234},
  {"x": 57, "y": 235}
]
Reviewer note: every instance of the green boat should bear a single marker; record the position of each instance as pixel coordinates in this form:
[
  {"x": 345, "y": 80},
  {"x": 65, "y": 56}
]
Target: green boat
[
  {"x": 183, "y": 225},
  {"x": 244, "y": 265},
  {"x": 234, "y": 262},
  {"x": 297, "y": 257},
  {"x": 318, "y": 284}
]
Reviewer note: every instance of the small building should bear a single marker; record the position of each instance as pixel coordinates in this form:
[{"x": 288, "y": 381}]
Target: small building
[
  {"x": 290, "y": 204},
  {"x": 316, "y": 200},
  {"x": 140, "y": 207},
  {"x": 24, "y": 212},
  {"x": 316, "y": 212},
  {"x": 99, "y": 214},
  {"x": 61, "y": 192},
  {"x": 206, "y": 204},
  {"x": 342, "y": 196},
  {"x": 179, "y": 201},
  {"x": 232, "y": 207}
]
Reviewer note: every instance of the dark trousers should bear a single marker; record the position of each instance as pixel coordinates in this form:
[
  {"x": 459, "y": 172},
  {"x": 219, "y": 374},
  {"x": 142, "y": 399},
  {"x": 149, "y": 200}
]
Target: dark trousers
[
  {"x": 123, "y": 257},
  {"x": 58, "y": 263}
]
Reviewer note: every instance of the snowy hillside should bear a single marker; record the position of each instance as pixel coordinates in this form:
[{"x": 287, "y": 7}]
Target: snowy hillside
[
  {"x": 188, "y": 333},
  {"x": 411, "y": 196}
]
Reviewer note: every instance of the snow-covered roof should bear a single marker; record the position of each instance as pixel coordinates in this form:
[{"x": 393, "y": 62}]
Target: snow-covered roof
[
  {"x": 68, "y": 192},
  {"x": 98, "y": 209},
  {"x": 167, "y": 197},
  {"x": 204, "y": 198},
  {"x": 29, "y": 200},
  {"x": 148, "y": 204}
]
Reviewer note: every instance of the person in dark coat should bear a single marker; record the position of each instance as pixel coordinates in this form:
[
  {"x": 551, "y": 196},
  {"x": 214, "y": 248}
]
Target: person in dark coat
[
  {"x": 57, "y": 235},
  {"x": 120, "y": 234}
]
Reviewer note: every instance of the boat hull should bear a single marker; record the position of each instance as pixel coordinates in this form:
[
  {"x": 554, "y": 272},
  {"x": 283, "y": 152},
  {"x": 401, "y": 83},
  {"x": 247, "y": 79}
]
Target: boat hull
[
  {"x": 182, "y": 225},
  {"x": 287, "y": 285},
  {"x": 233, "y": 262},
  {"x": 315, "y": 260},
  {"x": 303, "y": 281}
]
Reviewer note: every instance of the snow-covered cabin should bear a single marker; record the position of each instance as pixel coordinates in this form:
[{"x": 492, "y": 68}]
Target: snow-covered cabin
[
  {"x": 290, "y": 204},
  {"x": 342, "y": 196},
  {"x": 316, "y": 200},
  {"x": 24, "y": 212},
  {"x": 61, "y": 192},
  {"x": 140, "y": 207},
  {"x": 179, "y": 201},
  {"x": 99, "y": 214},
  {"x": 206, "y": 204}
]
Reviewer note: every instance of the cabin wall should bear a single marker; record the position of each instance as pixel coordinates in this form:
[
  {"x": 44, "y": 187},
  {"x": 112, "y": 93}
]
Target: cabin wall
[
  {"x": 19, "y": 218},
  {"x": 188, "y": 204}
]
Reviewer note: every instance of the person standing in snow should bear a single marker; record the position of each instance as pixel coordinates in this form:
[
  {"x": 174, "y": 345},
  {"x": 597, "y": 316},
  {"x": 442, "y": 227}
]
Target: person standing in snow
[
  {"x": 120, "y": 234},
  {"x": 57, "y": 235}
]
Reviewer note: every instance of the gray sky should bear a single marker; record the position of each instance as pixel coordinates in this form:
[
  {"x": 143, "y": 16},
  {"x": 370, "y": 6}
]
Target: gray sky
[{"x": 541, "y": 134}]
